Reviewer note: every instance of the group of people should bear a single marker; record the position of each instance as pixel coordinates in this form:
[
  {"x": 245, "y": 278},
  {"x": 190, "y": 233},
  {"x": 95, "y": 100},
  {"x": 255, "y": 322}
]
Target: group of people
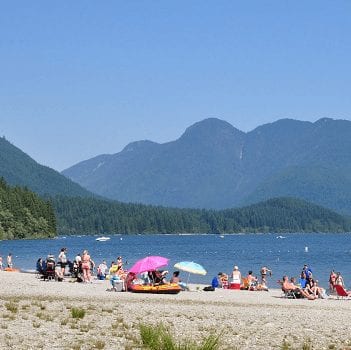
[
  {"x": 118, "y": 275},
  {"x": 336, "y": 279},
  {"x": 81, "y": 267},
  {"x": 237, "y": 281},
  {"x": 306, "y": 287}
]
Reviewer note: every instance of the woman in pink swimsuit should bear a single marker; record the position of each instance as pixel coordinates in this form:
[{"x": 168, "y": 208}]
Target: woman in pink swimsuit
[{"x": 86, "y": 266}]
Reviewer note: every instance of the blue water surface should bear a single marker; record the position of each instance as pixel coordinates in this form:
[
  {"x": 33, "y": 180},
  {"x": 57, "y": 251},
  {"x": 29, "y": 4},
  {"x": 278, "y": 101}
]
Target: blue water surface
[{"x": 283, "y": 254}]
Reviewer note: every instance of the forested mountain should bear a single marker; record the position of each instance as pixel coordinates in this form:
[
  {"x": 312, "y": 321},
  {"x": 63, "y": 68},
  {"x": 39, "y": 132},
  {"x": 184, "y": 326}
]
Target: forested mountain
[
  {"x": 92, "y": 216},
  {"x": 214, "y": 165},
  {"x": 17, "y": 168},
  {"x": 24, "y": 215}
]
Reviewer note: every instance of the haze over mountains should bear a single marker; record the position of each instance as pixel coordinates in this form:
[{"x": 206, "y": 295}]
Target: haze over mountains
[{"x": 214, "y": 165}]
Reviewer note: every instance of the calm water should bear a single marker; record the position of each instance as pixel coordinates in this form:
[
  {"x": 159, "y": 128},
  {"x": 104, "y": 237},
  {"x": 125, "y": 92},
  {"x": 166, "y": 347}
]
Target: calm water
[{"x": 283, "y": 255}]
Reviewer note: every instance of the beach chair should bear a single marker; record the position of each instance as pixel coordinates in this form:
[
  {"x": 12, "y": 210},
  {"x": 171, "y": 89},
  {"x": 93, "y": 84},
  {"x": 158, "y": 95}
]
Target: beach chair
[
  {"x": 289, "y": 294},
  {"x": 341, "y": 292}
]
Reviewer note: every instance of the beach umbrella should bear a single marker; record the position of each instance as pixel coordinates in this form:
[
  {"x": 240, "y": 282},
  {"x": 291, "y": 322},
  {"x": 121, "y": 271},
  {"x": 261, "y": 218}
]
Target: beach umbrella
[
  {"x": 149, "y": 263},
  {"x": 190, "y": 267}
]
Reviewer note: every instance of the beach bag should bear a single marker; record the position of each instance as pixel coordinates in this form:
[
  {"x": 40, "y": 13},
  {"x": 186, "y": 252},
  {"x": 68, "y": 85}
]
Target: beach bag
[{"x": 209, "y": 289}]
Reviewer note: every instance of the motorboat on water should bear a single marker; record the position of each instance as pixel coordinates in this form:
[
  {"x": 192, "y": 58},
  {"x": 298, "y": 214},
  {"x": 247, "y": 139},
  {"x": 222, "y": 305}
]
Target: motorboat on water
[{"x": 102, "y": 239}]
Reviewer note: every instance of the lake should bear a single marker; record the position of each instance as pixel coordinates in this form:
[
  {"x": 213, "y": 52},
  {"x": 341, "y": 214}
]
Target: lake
[{"x": 284, "y": 254}]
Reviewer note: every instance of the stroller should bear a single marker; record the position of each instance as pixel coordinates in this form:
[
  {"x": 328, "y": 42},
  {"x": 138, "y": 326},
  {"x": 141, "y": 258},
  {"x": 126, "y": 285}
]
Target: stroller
[
  {"x": 77, "y": 271},
  {"x": 46, "y": 269}
]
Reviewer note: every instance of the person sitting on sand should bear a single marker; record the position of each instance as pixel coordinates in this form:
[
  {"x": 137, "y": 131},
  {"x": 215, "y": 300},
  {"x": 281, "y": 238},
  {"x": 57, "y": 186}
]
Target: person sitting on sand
[
  {"x": 288, "y": 286},
  {"x": 114, "y": 277},
  {"x": 129, "y": 281},
  {"x": 339, "y": 280},
  {"x": 332, "y": 278},
  {"x": 251, "y": 280},
  {"x": 102, "y": 270},
  {"x": 157, "y": 277},
  {"x": 236, "y": 275},
  {"x": 216, "y": 281},
  {"x": 175, "y": 279},
  {"x": 303, "y": 280},
  {"x": 224, "y": 280},
  {"x": 318, "y": 291}
]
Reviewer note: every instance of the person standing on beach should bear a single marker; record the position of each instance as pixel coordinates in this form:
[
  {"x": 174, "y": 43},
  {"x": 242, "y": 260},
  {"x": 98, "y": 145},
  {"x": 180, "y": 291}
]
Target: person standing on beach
[
  {"x": 62, "y": 260},
  {"x": 9, "y": 261},
  {"x": 86, "y": 266},
  {"x": 264, "y": 271}
]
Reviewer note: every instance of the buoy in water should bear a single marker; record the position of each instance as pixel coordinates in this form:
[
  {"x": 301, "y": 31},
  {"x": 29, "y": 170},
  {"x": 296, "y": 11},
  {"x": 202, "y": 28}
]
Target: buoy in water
[{"x": 306, "y": 249}]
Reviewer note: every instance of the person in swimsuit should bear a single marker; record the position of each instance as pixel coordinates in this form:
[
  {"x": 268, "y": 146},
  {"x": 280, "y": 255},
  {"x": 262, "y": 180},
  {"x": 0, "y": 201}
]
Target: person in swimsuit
[
  {"x": 86, "y": 266},
  {"x": 332, "y": 279},
  {"x": 289, "y": 286},
  {"x": 264, "y": 271},
  {"x": 9, "y": 261}
]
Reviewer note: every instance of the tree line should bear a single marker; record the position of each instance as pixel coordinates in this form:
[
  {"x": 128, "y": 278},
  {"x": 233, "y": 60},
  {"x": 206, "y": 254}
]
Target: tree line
[
  {"x": 23, "y": 214},
  {"x": 94, "y": 216}
]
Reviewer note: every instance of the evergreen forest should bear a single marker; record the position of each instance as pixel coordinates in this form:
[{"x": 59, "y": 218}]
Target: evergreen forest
[
  {"x": 95, "y": 216},
  {"x": 23, "y": 214}
]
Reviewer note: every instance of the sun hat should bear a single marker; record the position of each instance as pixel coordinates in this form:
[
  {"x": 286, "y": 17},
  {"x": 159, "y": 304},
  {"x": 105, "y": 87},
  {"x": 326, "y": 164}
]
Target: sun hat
[{"x": 236, "y": 268}]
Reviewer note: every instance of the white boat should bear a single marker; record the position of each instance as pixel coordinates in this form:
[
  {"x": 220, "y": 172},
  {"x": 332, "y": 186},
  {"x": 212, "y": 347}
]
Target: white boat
[{"x": 102, "y": 239}]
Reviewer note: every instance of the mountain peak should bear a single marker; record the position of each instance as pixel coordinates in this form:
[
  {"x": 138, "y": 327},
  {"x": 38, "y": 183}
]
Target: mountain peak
[
  {"x": 210, "y": 127},
  {"x": 139, "y": 145}
]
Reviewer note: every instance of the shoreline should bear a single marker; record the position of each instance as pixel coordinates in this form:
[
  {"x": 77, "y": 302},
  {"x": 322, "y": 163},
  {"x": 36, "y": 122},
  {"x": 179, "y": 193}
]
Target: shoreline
[{"x": 245, "y": 319}]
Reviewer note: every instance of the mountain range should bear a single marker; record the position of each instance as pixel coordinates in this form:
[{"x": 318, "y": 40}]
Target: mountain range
[{"x": 214, "y": 165}]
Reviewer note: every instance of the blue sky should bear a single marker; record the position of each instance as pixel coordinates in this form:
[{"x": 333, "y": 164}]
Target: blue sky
[{"x": 79, "y": 78}]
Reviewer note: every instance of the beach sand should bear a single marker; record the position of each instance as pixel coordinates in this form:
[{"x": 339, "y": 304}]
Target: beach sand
[{"x": 37, "y": 315}]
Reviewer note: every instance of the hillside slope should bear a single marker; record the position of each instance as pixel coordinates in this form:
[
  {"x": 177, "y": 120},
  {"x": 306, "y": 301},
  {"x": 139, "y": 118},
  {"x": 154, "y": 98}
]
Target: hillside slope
[
  {"x": 214, "y": 165},
  {"x": 93, "y": 216},
  {"x": 17, "y": 168}
]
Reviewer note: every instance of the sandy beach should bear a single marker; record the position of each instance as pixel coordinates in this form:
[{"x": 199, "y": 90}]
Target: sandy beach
[{"x": 37, "y": 315}]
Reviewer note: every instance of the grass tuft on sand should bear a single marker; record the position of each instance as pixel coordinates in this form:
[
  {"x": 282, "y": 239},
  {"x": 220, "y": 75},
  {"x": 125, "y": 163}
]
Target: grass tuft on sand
[{"x": 160, "y": 338}]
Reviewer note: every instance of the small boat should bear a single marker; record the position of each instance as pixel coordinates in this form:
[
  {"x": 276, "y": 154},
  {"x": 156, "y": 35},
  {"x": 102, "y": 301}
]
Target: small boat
[
  {"x": 280, "y": 237},
  {"x": 168, "y": 288},
  {"x": 102, "y": 239}
]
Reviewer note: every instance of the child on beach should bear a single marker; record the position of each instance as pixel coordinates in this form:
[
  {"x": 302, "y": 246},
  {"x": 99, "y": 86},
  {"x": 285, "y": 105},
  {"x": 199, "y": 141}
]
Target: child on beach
[
  {"x": 9, "y": 261},
  {"x": 264, "y": 271}
]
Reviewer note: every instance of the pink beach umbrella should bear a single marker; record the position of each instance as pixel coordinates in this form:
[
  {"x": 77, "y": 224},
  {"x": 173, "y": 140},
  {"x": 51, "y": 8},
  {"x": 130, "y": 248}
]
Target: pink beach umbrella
[{"x": 149, "y": 263}]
